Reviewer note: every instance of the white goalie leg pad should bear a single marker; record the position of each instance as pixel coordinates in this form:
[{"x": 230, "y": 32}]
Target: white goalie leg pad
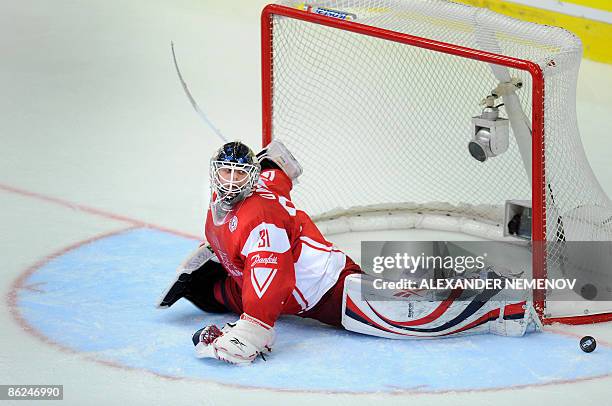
[
  {"x": 196, "y": 259},
  {"x": 379, "y": 313},
  {"x": 278, "y": 153},
  {"x": 193, "y": 262}
]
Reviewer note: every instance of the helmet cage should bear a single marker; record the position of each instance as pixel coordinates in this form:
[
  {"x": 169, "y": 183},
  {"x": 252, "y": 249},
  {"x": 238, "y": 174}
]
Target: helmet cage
[{"x": 230, "y": 190}]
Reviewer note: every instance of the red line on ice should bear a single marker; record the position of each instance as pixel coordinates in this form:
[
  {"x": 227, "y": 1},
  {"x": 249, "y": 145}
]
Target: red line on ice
[{"x": 92, "y": 210}]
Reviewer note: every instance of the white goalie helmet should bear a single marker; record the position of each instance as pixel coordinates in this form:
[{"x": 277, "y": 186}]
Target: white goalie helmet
[{"x": 234, "y": 171}]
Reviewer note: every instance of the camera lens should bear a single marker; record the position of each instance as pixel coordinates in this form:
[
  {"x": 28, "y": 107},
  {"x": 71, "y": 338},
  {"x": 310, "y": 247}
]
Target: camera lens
[{"x": 477, "y": 151}]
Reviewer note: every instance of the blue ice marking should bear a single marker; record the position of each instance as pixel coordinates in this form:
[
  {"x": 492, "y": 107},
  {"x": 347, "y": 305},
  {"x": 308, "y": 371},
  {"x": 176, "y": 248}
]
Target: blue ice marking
[{"x": 99, "y": 299}]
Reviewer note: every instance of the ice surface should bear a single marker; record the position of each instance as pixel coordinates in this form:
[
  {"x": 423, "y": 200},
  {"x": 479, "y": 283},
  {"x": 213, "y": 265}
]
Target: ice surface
[{"x": 92, "y": 114}]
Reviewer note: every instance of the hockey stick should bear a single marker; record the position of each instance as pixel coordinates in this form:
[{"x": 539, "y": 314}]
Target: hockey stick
[{"x": 194, "y": 104}]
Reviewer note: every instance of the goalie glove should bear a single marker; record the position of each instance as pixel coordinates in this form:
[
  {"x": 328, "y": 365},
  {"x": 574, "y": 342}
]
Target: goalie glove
[
  {"x": 278, "y": 153},
  {"x": 238, "y": 343}
]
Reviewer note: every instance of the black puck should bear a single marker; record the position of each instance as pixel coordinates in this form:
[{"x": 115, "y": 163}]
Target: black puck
[{"x": 588, "y": 344}]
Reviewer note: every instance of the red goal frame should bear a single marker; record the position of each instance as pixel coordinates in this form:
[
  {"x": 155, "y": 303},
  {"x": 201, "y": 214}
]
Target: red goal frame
[{"x": 537, "y": 146}]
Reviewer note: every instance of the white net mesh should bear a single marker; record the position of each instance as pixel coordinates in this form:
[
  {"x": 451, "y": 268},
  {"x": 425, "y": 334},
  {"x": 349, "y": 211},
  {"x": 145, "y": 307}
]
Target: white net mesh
[{"x": 377, "y": 123}]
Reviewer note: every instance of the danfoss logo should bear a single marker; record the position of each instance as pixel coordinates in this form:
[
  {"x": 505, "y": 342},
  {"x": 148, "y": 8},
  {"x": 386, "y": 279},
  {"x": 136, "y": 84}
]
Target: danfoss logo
[{"x": 257, "y": 259}]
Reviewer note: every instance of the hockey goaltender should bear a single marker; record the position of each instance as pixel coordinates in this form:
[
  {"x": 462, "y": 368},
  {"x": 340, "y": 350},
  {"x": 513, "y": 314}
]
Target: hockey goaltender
[{"x": 264, "y": 257}]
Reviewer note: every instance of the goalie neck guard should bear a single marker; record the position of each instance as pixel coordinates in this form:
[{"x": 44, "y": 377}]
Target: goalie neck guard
[{"x": 234, "y": 170}]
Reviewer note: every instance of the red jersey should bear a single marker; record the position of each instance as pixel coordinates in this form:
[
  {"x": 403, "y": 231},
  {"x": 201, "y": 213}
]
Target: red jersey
[{"x": 274, "y": 251}]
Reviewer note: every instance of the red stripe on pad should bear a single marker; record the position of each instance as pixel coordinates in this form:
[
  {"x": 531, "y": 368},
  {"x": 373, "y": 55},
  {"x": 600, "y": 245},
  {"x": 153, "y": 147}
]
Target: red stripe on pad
[{"x": 439, "y": 311}]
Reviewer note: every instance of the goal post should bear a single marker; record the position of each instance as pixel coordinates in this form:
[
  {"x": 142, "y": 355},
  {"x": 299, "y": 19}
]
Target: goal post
[{"x": 375, "y": 98}]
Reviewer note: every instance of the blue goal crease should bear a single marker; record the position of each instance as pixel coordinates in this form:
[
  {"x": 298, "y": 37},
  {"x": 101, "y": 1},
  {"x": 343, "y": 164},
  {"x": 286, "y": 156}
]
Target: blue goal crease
[{"x": 100, "y": 299}]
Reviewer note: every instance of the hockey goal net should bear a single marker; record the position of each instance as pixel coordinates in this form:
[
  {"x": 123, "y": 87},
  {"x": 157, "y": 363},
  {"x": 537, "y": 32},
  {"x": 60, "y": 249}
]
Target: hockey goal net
[{"x": 375, "y": 98}]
